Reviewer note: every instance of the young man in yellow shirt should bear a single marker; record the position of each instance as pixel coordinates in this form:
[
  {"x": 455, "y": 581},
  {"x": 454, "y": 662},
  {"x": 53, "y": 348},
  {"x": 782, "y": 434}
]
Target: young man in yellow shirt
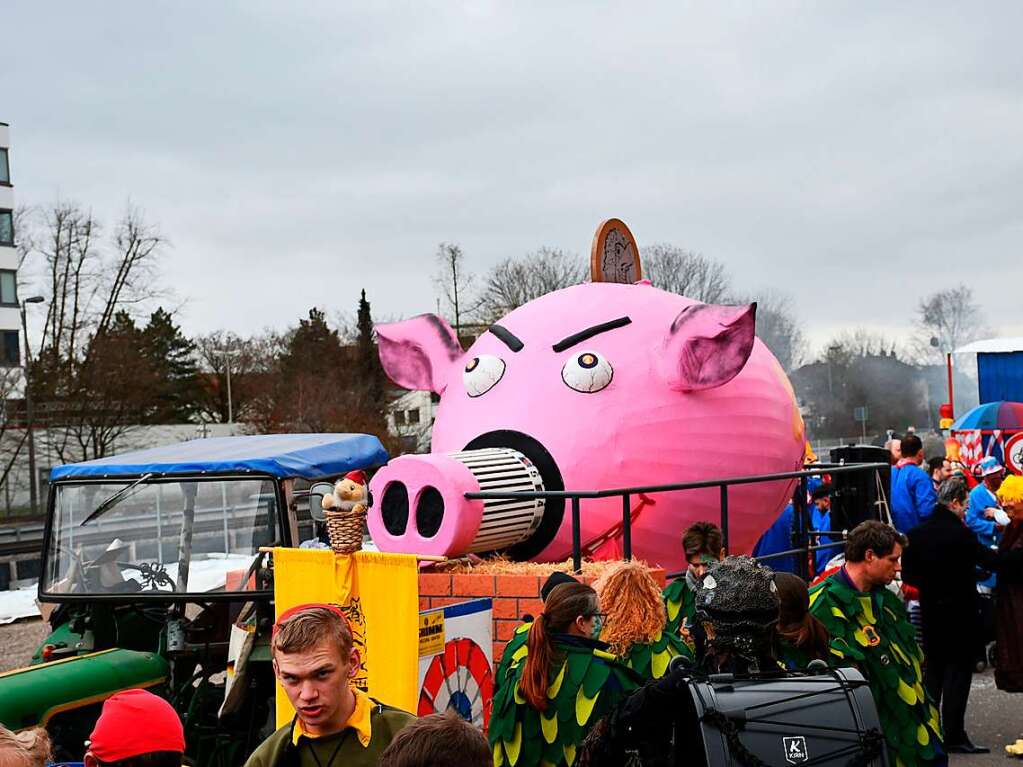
[{"x": 335, "y": 724}]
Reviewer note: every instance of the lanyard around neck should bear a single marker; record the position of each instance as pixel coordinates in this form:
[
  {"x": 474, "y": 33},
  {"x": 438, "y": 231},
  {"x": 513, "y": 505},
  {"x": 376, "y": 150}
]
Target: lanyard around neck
[{"x": 337, "y": 749}]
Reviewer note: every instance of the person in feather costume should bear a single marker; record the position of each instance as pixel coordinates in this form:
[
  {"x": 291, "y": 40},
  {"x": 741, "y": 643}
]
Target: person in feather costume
[
  {"x": 703, "y": 545},
  {"x": 516, "y": 647},
  {"x": 870, "y": 630},
  {"x": 635, "y": 625},
  {"x": 737, "y": 608},
  {"x": 557, "y": 684}
]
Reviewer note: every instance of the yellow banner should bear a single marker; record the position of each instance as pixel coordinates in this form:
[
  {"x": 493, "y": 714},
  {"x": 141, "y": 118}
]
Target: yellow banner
[{"x": 379, "y": 593}]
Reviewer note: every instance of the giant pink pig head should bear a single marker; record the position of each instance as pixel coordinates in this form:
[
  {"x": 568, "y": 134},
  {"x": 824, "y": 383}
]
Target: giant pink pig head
[{"x": 595, "y": 386}]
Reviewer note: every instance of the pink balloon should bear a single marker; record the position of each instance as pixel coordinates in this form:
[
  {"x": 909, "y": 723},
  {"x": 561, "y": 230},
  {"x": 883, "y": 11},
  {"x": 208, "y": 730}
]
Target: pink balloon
[{"x": 622, "y": 386}]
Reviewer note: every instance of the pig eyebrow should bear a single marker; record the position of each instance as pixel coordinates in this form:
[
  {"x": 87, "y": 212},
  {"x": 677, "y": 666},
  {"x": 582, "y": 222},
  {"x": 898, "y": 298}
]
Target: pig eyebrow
[
  {"x": 582, "y": 335},
  {"x": 510, "y": 339}
]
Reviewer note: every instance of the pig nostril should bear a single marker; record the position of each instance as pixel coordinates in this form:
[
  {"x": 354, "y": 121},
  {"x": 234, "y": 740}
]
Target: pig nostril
[
  {"x": 394, "y": 508},
  {"x": 429, "y": 512}
]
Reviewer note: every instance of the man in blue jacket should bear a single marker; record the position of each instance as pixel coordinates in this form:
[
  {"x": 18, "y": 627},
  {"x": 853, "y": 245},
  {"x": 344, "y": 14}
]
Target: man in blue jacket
[
  {"x": 778, "y": 537},
  {"x": 820, "y": 518},
  {"x": 913, "y": 495},
  {"x": 980, "y": 514}
]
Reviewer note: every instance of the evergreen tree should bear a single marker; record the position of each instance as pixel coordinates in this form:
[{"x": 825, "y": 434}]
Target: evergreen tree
[
  {"x": 317, "y": 384},
  {"x": 308, "y": 395},
  {"x": 115, "y": 382},
  {"x": 313, "y": 347},
  {"x": 370, "y": 371},
  {"x": 173, "y": 357}
]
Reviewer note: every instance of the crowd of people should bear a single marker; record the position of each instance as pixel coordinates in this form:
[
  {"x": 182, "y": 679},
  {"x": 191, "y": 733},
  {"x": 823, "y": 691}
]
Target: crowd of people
[
  {"x": 592, "y": 678},
  {"x": 965, "y": 563},
  {"x": 946, "y": 542}
]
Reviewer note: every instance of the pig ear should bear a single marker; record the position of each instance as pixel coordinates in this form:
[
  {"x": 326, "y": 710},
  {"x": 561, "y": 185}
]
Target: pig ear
[
  {"x": 417, "y": 353},
  {"x": 708, "y": 345}
]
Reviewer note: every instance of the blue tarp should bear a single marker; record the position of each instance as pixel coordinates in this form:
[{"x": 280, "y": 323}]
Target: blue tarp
[
  {"x": 1000, "y": 376},
  {"x": 311, "y": 456}
]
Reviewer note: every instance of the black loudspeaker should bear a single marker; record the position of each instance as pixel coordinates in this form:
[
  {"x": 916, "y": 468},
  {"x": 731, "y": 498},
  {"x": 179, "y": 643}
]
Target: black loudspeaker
[
  {"x": 818, "y": 719},
  {"x": 859, "y": 495}
]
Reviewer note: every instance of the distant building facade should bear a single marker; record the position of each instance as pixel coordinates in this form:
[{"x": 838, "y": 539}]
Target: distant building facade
[
  {"x": 410, "y": 418},
  {"x": 10, "y": 320}
]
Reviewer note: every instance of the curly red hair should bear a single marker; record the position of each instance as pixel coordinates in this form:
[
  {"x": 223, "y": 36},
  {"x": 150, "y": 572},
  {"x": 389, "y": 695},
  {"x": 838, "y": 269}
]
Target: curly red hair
[{"x": 632, "y": 601}]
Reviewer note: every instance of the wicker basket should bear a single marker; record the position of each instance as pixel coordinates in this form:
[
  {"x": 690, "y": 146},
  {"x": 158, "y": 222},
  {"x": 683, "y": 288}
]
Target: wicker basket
[{"x": 344, "y": 529}]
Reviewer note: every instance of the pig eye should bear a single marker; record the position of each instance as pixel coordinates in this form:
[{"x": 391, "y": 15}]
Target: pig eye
[
  {"x": 587, "y": 372},
  {"x": 482, "y": 373}
]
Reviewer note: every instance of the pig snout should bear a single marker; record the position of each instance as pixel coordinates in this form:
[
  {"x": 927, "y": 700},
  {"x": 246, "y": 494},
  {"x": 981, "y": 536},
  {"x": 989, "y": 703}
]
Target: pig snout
[{"x": 419, "y": 503}]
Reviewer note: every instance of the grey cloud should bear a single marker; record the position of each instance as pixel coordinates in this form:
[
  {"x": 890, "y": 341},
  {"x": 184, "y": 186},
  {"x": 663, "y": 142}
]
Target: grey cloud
[{"x": 856, "y": 155}]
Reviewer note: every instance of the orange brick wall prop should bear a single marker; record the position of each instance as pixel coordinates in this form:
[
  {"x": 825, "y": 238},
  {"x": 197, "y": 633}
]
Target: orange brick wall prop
[{"x": 513, "y": 595}]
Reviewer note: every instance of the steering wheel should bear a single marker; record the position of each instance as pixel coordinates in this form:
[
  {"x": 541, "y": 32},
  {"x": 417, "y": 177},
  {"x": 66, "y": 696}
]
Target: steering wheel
[{"x": 154, "y": 575}]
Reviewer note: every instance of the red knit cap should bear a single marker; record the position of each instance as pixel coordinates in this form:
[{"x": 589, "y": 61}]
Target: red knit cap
[
  {"x": 358, "y": 476},
  {"x": 135, "y": 722}
]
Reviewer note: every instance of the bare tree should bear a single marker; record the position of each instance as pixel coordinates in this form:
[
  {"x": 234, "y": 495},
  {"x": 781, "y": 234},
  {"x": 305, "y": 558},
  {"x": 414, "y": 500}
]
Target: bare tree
[
  {"x": 252, "y": 360},
  {"x": 72, "y": 266},
  {"x": 861, "y": 368},
  {"x": 456, "y": 284},
  {"x": 689, "y": 274},
  {"x": 516, "y": 281},
  {"x": 24, "y": 233},
  {"x": 777, "y": 326},
  {"x": 130, "y": 273},
  {"x": 93, "y": 289},
  {"x": 859, "y": 342},
  {"x": 952, "y": 317}
]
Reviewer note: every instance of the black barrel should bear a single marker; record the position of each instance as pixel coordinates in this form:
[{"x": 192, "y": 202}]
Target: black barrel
[
  {"x": 792, "y": 719},
  {"x": 858, "y": 495}
]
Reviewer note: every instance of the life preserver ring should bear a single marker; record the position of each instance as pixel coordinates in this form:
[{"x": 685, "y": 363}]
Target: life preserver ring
[{"x": 459, "y": 678}]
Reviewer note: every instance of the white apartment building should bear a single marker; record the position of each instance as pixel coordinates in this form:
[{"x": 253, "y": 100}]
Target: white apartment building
[
  {"x": 410, "y": 417},
  {"x": 10, "y": 319}
]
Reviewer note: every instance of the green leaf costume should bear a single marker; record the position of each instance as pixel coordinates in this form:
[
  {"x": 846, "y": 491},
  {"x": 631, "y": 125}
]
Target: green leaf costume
[
  {"x": 515, "y": 649},
  {"x": 584, "y": 685},
  {"x": 680, "y": 604},
  {"x": 650, "y": 660},
  {"x": 872, "y": 632}
]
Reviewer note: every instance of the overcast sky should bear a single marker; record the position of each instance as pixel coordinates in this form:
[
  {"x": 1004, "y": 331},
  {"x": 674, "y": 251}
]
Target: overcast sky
[{"x": 856, "y": 156}]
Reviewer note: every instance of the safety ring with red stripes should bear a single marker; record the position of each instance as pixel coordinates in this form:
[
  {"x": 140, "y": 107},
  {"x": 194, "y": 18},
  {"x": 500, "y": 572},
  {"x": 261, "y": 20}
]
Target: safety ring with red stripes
[{"x": 459, "y": 678}]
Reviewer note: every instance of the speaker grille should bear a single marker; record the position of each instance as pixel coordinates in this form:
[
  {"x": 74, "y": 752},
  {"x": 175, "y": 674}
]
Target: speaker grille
[{"x": 505, "y": 522}]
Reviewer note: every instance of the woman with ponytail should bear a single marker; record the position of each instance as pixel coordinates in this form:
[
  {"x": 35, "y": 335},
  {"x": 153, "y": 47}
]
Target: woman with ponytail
[
  {"x": 801, "y": 637},
  {"x": 556, "y": 685}
]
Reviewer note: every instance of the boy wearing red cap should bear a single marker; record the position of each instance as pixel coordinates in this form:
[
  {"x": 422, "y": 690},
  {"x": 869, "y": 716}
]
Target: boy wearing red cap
[
  {"x": 136, "y": 729},
  {"x": 336, "y": 725}
]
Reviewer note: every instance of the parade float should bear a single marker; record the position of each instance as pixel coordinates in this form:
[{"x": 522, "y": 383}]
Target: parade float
[
  {"x": 611, "y": 385},
  {"x": 595, "y": 422}
]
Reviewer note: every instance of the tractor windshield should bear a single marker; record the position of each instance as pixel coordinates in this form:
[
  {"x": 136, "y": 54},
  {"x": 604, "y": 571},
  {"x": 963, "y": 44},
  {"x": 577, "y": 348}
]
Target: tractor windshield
[{"x": 147, "y": 535}]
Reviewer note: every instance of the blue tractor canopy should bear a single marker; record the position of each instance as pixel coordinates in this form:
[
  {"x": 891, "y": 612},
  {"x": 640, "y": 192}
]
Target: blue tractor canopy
[{"x": 184, "y": 519}]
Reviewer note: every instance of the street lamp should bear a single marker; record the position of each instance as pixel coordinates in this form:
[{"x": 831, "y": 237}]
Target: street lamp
[
  {"x": 228, "y": 354},
  {"x": 32, "y": 479},
  {"x": 948, "y": 367}
]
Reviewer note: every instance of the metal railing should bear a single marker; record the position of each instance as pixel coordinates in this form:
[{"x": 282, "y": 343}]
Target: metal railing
[{"x": 803, "y": 531}]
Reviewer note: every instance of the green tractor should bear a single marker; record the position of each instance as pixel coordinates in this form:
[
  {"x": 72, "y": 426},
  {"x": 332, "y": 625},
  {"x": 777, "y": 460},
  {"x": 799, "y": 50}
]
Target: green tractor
[{"x": 151, "y": 566}]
